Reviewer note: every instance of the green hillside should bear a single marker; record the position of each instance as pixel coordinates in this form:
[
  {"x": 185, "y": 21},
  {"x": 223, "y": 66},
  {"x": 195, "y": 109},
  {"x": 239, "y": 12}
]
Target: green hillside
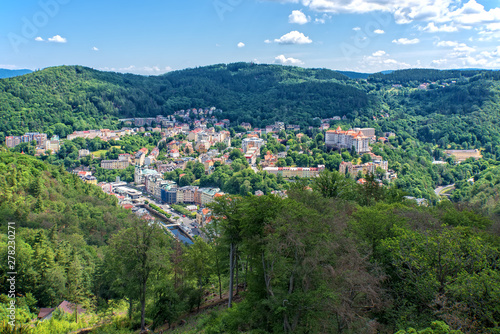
[
  {"x": 458, "y": 106},
  {"x": 82, "y": 98}
]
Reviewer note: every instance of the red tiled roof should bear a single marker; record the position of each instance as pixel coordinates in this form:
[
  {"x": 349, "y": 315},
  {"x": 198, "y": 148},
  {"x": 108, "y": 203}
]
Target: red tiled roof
[{"x": 45, "y": 312}]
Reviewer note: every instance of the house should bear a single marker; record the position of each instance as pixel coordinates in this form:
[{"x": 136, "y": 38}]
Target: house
[
  {"x": 65, "y": 306},
  {"x": 348, "y": 139},
  {"x": 174, "y": 153}
]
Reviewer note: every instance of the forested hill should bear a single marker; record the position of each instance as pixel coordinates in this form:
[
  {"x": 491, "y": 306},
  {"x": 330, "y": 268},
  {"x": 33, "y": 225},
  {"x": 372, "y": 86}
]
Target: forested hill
[
  {"x": 428, "y": 75},
  {"x": 59, "y": 100},
  {"x": 83, "y": 98}
]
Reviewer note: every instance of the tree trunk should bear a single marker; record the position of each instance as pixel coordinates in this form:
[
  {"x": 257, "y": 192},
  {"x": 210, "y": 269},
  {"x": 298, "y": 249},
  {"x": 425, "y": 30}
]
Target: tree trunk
[
  {"x": 231, "y": 275},
  {"x": 246, "y": 274},
  {"x": 218, "y": 276},
  {"x": 236, "y": 265},
  {"x": 143, "y": 306}
]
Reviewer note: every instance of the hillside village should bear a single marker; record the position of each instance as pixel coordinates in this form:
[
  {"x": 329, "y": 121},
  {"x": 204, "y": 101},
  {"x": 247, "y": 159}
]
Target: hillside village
[{"x": 197, "y": 137}]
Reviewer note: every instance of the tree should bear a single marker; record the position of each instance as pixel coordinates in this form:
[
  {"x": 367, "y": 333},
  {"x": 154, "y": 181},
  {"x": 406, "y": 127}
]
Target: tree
[
  {"x": 366, "y": 158},
  {"x": 138, "y": 252},
  {"x": 226, "y": 212}
]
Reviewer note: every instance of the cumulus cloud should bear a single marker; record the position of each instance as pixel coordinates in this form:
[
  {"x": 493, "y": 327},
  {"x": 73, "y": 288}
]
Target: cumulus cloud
[
  {"x": 439, "y": 62},
  {"x": 267, "y": 41},
  {"x": 293, "y": 37},
  {"x": 241, "y": 44},
  {"x": 459, "y": 49},
  {"x": 356, "y": 28},
  {"x": 379, "y": 53},
  {"x": 380, "y": 60},
  {"x": 39, "y": 39},
  {"x": 95, "y": 48},
  {"x": 281, "y": 59},
  {"x": 57, "y": 39},
  {"x": 298, "y": 17},
  {"x": 446, "y": 43},
  {"x": 406, "y": 41},
  {"x": 461, "y": 14},
  {"x": 143, "y": 70},
  {"x": 431, "y": 27},
  {"x": 379, "y": 31},
  {"x": 322, "y": 19}
]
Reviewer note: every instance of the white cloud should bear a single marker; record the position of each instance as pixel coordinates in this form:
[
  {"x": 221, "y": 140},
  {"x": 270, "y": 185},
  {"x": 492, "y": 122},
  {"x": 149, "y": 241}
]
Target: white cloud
[
  {"x": 57, "y": 39},
  {"x": 379, "y": 31},
  {"x": 241, "y": 44},
  {"x": 439, "y": 62},
  {"x": 458, "y": 14},
  {"x": 267, "y": 41},
  {"x": 406, "y": 41},
  {"x": 447, "y": 43},
  {"x": 322, "y": 19},
  {"x": 293, "y": 37},
  {"x": 379, "y": 61},
  {"x": 144, "y": 70},
  {"x": 431, "y": 27},
  {"x": 356, "y": 28},
  {"x": 39, "y": 39},
  {"x": 281, "y": 59},
  {"x": 379, "y": 53},
  {"x": 298, "y": 17},
  {"x": 95, "y": 48}
]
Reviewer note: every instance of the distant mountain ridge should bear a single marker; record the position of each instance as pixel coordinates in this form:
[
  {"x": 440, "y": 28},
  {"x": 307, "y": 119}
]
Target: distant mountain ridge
[
  {"x": 6, "y": 73},
  {"x": 62, "y": 99}
]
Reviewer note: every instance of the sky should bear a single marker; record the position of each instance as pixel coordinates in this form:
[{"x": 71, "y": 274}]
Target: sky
[{"x": 151, "y": 37}]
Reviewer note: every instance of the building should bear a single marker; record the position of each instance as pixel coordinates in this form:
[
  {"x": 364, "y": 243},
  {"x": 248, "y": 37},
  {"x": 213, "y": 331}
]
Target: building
[
  {"x": 169, "y": 196},
  {"x": 52, "y": 145},
  {"x": 83, "y": 153},
  {"x": 140, "y": 174},
  {"x": 28, "y": 137},
  {"x": 251, "y": 155},
  {"x": 65, "y": 307},
  {"x": 208, "y": 195},
  {"x": 340, "y": 139},
  {"x": 247, "y": 143},
  {"x": 289, "y": 172},
  {"x": 125, "y": 157},
  {"x": 366, "y": 168},
  {"x": 114, "y": 164},
  {"x": 12, "y": 141},
  {"x": 186, "y": 194},
  {"x": 128, "y": 192}
]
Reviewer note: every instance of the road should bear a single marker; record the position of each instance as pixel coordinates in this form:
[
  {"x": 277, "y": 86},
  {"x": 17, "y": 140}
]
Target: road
[
  {"x": 443, "y": 189},
  {"x": 185, "y": 221}
]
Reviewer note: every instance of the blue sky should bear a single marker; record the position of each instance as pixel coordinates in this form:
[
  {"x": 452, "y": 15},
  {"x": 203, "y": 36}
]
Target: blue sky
[{"x": 155, "y": 36}]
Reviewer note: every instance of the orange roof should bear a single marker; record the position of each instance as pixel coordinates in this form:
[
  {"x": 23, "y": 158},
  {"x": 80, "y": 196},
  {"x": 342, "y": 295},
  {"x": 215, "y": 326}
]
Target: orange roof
[{"x": 205, "y": 211}]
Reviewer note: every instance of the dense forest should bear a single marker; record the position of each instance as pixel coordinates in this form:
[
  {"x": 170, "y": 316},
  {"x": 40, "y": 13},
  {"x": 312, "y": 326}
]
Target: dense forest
[{"x": 333, "y": 256}]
